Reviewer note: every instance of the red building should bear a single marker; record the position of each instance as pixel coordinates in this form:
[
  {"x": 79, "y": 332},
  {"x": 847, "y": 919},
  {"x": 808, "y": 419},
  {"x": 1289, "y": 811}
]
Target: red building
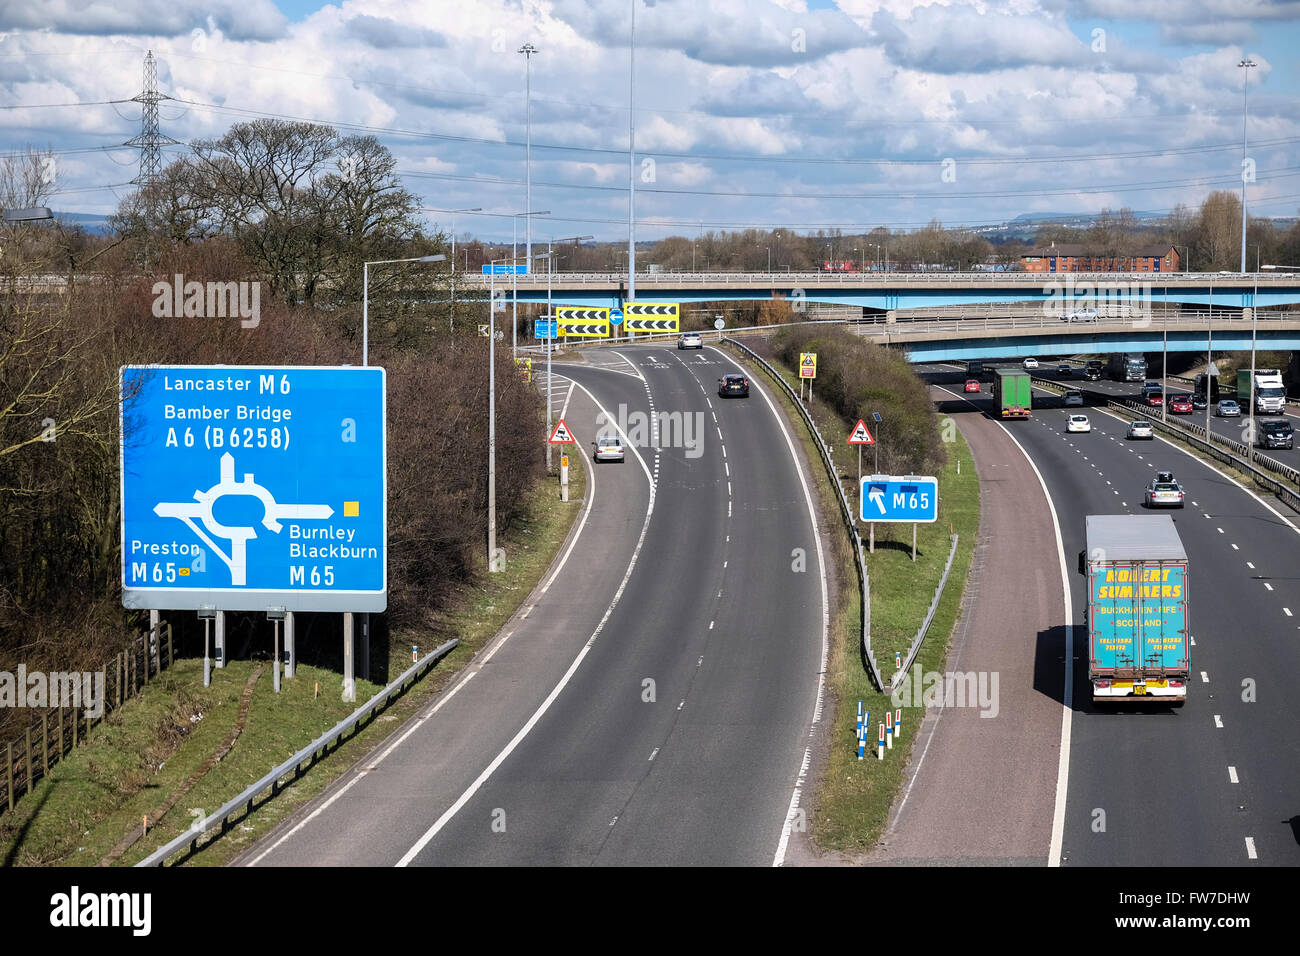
[{"x": 1073, "y": 257}]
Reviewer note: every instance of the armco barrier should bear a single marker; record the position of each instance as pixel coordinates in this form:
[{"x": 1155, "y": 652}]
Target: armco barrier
[
  {"x": 293, "y": 766},
  {"x": 846, "y": 512},
  {"x": 925, "y": 625}
]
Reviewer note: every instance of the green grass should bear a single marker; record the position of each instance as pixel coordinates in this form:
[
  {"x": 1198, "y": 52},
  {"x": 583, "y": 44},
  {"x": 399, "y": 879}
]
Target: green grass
[
  {"x": 136, "y": 758},
  {"x": 853, "y": 798}
]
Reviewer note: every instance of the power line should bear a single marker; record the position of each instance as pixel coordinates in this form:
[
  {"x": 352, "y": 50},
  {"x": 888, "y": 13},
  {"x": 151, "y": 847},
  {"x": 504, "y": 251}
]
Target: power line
[
  {"x": 893, "y": 194},
  {"x": 751, "y": 158}
]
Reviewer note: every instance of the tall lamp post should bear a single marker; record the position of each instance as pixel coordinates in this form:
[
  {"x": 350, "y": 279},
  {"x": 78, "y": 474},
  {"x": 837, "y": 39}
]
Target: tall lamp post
[
  {"x": 1245, "y": 64},
  {"x": 514, "y": 285},
  {"x": 453, "y": 261},
  {"x": 528, "y": 50},
  {"x": 365, "y": 297},
  {"x": 550, "y": 318}
]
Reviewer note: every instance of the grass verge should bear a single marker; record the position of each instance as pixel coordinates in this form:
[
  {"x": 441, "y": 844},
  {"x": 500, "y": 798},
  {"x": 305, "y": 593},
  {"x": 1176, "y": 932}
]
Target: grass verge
[
  {"x": 142, "y": 752},
  {"x": 853, "y": 797}
]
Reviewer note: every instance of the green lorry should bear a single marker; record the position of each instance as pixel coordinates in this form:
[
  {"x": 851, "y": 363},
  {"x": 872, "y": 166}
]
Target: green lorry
[{"x": 1012, "y": 397}]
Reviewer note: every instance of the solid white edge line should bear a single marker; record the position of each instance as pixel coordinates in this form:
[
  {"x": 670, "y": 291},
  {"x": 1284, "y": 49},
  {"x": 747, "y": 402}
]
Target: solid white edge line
[
  {"x": 500, "y": 758},
  {"x": 786, "y": 827},
  {"x": 1067, "y": 705}
]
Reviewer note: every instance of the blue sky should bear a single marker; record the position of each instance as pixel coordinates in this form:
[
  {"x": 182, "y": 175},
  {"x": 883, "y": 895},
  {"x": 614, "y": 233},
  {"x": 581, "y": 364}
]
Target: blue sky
[{"x": 804, "y": 115}]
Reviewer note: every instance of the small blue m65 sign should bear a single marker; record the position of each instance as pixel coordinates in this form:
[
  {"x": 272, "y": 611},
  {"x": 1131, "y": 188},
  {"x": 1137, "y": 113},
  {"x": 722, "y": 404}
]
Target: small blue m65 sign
[
  {"x": 887, "y": 498},
  {"x": 251, "y": 487}
]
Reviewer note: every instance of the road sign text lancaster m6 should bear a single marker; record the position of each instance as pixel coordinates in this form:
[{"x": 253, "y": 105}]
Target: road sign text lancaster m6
[{"x": 249, "y": 487}]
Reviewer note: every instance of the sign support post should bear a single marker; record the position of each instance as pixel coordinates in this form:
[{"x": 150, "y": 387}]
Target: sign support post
[
  {"x": 290, "y": 658},
  {"x": 349, "y": 681}
]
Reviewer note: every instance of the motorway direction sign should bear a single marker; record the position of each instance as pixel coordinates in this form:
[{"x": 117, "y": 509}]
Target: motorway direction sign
[
  {"x": 505, "y": 268},
  {"x": 544, "y": 329},
  {"x": 889, "y": 498},
  {"x": 807, "y": 364},
  {"x": 652, "y": 316},
  {"x": 251, "y": 487},
  {"x": 860, "y": 435}
]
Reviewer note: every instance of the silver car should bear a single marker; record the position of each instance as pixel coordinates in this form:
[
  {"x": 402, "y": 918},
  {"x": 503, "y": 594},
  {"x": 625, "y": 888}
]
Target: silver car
[
  {"x": 1227, "y": 408},
  {"x": 608, "y": 448},
  {"x": 690, "y": 340},
  {"x": 1141, "y": 429}
]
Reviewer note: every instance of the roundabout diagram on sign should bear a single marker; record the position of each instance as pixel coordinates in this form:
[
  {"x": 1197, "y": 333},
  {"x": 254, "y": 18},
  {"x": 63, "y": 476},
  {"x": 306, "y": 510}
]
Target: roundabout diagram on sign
[{"x": 201, "y": 508}]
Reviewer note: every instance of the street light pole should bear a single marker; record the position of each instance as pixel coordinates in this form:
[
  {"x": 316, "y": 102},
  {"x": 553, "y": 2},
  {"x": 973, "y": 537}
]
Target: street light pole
[
  {"x": 365, "y": 297},
  {"x": 528, "y": 50},
  {"x": 453, "y": 261},
  {"x": 1245, "y": 83},
  {"x": 631, "y": 161}
]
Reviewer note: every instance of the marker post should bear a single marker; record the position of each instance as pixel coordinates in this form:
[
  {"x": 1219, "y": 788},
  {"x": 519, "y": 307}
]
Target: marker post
[
  {"x": 880, "y": 745},
  {"x": 889, "y": 730}
]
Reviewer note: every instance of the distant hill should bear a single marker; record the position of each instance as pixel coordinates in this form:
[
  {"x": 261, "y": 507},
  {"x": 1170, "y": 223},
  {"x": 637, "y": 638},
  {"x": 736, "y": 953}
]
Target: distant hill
[{"x": 92, "y": 222}]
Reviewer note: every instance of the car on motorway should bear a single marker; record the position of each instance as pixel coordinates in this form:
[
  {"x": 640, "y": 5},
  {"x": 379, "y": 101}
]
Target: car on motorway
[
  {"x": 1029, "y": 363},
  {"x": 1163, "y": 493},
  {"x": 1275, "y": 433},
  {"x": 1198, "y": 401},
  {"x": 1093, "y": 371},
  {"x": 1180, "y": 404},
  {"x": 690, "y": 340},
  {"x": 733, "y": 386},
  {"x": 1154, "y": 397},
  {"x": 972, "y": 385},
  {"x": 1227, "y": 408},
  {"x": 1064, "y": 370},
  {"x": 1080, "y": 315},
  {"x": 608, "y": 448},
  {"x": 1078, "y": 423},
  {"x": 1072, "y": 397},
  {"x": 1141, "y": 429}
]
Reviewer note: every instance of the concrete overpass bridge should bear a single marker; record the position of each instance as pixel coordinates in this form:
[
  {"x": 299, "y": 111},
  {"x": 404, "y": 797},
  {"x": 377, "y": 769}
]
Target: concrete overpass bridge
[
  {"x": 899, "y": 292},
  {"x": 955, "y": 339}
]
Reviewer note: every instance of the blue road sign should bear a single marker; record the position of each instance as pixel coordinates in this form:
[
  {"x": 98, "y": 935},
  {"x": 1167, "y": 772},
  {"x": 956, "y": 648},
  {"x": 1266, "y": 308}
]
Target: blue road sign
[
  {"x": 892, "y": 498},
  {"x": 616, "y": 316},
  {"x": 505, "y": 269},
  {"x": 251, "y": 487},
  {"x": 544, "y": 329}
]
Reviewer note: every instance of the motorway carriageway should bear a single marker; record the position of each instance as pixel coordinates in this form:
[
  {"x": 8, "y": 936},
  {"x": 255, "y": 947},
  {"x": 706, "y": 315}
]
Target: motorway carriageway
[
  {"x": 654, "y": 702},
  {"x": 1216, "y": 782}
]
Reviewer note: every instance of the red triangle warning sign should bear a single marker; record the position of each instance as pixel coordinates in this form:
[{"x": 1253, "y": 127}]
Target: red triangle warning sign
[
  {"x": 860, "y": 435},
  {"x": 561, "y": 433}
]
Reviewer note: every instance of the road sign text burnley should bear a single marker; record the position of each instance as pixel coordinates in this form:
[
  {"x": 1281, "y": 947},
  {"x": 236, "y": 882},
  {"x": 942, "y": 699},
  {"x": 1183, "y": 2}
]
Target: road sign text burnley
[{"x": 248, "y": 487}]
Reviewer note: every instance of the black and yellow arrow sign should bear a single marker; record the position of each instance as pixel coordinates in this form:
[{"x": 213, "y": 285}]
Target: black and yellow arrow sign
[
  {"x": 574, "y": 320},
  {"x": 587, "y": 329},
  {"x": 638, "y": 316}
]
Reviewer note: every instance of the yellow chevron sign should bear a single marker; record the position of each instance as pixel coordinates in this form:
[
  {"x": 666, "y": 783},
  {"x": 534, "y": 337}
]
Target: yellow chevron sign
[
  {"x": 651, "y": 316},
  {"x": 582, "y": 321}
]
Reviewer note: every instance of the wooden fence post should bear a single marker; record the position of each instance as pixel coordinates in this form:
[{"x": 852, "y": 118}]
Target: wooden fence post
[
  {"x": 9, "y": 771},
  {"x": 58, "y": 751},
  {"x": 119, "y": 671},
  {"x": 76, "y": 719},
  {"x": 28, "y": 739},
  {"x": 45, "y": 743},
  {"x": 171, "y": 659}
]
